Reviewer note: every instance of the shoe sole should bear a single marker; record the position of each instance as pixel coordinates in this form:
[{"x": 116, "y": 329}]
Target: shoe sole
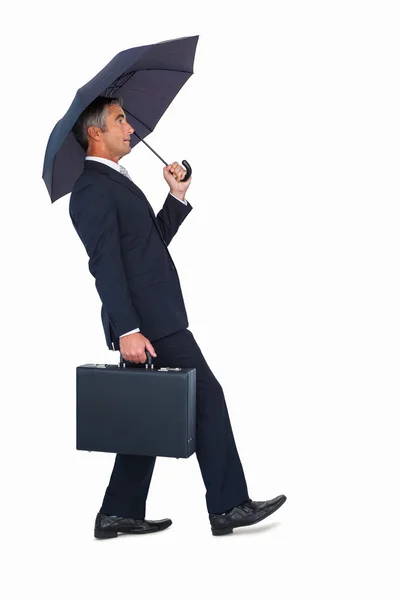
[
  {"x": 227, "y": 530},
  {"x": 105, "y": 535}
]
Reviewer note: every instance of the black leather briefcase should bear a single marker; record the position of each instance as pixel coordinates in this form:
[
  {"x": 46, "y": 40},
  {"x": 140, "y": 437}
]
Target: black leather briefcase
[{"x": 136, "y": 410}]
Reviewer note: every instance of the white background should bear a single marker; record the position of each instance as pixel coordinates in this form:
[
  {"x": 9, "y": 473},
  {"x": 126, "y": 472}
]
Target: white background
[{"x": 289, "y": 264}]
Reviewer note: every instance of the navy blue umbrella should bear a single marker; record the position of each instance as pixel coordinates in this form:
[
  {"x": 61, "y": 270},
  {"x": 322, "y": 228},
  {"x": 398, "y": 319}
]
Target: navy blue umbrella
[{"x": 147, "y": 78}]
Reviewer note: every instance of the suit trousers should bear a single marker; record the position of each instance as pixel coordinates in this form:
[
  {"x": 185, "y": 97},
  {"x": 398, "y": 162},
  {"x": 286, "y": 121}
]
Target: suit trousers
[{"x": 216, "y": 450}]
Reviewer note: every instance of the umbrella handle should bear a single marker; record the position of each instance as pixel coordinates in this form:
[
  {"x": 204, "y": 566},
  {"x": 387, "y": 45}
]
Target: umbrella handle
[
  {"x": 184, "y": 162},
  {"x": 188, "y": 169}
]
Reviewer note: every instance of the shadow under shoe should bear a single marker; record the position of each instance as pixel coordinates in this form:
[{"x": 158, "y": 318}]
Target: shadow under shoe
[
  {"x": 108, "y": 527},
  {"x": 247, "y": 513}
]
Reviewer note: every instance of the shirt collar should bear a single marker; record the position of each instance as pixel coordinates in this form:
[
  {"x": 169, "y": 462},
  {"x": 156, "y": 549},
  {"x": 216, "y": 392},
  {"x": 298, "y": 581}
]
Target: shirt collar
[{"x": 105, "y": 161}]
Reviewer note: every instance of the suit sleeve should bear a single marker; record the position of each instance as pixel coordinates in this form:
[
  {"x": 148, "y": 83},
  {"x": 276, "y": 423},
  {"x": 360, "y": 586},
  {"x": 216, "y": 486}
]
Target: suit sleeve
[
  {"x": 94, "y": 217},
  {"x": 171, "y": 216}
]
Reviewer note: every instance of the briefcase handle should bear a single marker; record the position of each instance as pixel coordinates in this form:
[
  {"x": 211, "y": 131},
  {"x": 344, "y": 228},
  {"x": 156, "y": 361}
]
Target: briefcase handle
[{"x": 148, "y": 363}]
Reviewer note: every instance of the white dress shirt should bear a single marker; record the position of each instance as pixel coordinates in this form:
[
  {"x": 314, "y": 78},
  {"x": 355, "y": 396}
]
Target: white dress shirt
[{"x": 115, "y": 166}]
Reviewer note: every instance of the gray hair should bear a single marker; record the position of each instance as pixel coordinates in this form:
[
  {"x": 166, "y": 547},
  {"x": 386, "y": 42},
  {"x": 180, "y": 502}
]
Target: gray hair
[{"x": 94, "y": 115}]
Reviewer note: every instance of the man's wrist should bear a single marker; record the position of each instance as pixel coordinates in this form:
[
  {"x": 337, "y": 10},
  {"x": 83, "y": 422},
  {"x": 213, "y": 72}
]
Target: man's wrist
[
  {"x": 179, "y": 195},
  {"x": 137, "y": 330}
]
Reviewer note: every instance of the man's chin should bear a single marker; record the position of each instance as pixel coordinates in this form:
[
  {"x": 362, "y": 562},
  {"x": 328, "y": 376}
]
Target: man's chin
[{"x": 126, "y": 151}]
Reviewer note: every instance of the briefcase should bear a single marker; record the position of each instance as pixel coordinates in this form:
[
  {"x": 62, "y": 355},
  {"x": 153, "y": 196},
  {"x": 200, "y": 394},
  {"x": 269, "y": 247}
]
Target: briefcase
[{"x": 136, "y": 410}]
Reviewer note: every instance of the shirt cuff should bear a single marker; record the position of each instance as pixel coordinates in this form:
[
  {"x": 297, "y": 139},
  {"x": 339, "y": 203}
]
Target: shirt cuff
[
  {"x": 183, "y": 201},
  {"x": 133, "y": 330}
]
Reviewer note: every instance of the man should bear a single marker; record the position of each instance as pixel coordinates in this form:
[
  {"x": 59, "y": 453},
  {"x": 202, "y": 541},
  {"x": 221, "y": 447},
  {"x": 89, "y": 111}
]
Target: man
[{"x": 143, "y": 309}]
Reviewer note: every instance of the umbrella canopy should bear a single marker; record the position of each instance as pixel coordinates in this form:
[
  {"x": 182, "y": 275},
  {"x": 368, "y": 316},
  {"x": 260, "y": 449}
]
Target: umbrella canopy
[{"x": 147, "y": 78}]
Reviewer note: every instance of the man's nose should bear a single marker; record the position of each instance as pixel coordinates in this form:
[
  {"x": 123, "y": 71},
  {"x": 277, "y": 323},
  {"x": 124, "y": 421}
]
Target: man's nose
[{"x": 131, "y": 130}]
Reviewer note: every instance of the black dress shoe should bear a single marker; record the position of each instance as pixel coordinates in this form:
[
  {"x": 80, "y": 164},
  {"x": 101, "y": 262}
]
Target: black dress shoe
[
  {"x": 247, "y": 513},
  {"x": 109, "y": 527}
]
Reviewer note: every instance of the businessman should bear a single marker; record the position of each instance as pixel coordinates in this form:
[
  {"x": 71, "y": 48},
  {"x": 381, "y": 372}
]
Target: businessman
[{"x": 143, "y": 309}]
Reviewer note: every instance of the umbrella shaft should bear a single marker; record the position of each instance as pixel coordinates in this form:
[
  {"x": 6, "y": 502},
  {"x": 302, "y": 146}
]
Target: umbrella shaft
[{"x": 150, "y": 148}]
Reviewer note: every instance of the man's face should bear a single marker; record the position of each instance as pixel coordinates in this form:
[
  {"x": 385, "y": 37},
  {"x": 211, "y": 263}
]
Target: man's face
[{"x": 115, "y": 140}]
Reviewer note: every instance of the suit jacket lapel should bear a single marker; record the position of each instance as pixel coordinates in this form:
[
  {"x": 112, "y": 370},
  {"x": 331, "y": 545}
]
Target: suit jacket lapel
[
  {"x": 113, "y": 174},
  {"x": 117, "y": 176}
]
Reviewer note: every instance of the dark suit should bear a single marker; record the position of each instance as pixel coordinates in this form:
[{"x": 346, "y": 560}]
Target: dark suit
[
  {"x": 127, "y": 244},
  {"x": 139, "y": 287}
]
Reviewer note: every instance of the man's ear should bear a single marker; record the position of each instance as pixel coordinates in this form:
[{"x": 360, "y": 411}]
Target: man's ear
[{"x": 93, "y": 132}]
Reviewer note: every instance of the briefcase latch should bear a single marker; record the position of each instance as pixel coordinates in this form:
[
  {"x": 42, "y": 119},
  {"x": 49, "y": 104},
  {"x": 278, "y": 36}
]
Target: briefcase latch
[{"x": 170, "y": 369}]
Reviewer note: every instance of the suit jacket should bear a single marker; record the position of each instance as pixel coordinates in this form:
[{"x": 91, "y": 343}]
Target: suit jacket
[{"x": 127, "y": 245}]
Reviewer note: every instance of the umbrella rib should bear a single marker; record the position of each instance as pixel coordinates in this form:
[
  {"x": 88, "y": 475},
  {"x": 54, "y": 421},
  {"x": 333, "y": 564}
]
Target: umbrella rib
[
  {"x": 138, "y": 120},
  {"x": 129, "y": 89},
  {"x": 170, "y": 70},
  {"x": 125, "y": 77},
  {"x": 118, "y": 83}
]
